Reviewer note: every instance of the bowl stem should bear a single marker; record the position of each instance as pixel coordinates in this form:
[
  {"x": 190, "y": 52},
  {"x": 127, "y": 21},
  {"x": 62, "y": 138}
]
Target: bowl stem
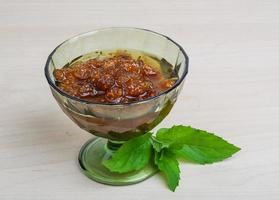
[{"x": 113, "y": 145}]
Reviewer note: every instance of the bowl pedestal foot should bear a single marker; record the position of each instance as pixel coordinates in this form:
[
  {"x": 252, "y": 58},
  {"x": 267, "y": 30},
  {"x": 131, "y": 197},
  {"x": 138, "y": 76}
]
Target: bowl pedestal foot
[{"x": 94, "y": 152}]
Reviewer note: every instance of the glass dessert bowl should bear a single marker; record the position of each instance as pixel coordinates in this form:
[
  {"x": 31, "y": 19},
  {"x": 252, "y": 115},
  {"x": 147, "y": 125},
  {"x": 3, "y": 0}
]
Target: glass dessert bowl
[{"x": 115, "y": 123}]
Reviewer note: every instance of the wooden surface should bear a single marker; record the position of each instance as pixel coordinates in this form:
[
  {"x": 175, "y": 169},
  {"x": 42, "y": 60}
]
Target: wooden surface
[{"x": 231, "y": 89}]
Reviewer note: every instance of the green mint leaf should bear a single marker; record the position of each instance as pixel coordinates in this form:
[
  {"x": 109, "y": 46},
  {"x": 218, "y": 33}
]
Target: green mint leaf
[
  {"x": 167, "y": 163},
  {"x": 196, "y": 145},
  {"x": 132, "y": 155},
  {"x": 157, "y": 145}
]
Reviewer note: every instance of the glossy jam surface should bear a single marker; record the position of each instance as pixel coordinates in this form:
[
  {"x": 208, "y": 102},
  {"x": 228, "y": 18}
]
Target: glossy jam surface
[{"x": 115, "y": 77}]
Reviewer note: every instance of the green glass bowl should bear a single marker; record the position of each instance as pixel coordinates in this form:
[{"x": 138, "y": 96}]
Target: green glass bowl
[{"x": 116, "y": 123}]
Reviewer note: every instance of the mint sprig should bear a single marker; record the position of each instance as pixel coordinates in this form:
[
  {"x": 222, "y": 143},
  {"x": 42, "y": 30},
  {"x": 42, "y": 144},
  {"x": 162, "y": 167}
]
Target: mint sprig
[{"x": 169, "y": 145}]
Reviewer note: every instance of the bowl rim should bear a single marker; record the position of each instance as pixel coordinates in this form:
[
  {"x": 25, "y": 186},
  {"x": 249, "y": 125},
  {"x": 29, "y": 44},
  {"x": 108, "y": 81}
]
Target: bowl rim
[{"x": 61, "y": 92}]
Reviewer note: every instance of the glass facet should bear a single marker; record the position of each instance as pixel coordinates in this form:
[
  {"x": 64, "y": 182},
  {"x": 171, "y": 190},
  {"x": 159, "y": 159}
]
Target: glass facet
[{"x": 116, "y": 122}]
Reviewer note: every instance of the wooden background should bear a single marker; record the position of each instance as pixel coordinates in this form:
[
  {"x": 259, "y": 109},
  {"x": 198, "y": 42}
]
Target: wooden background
[{"x": 231, "y": 89}]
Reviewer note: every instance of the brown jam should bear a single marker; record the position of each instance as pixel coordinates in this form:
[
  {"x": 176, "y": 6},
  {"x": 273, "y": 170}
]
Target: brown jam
[{"x": 118, "y": 77}]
